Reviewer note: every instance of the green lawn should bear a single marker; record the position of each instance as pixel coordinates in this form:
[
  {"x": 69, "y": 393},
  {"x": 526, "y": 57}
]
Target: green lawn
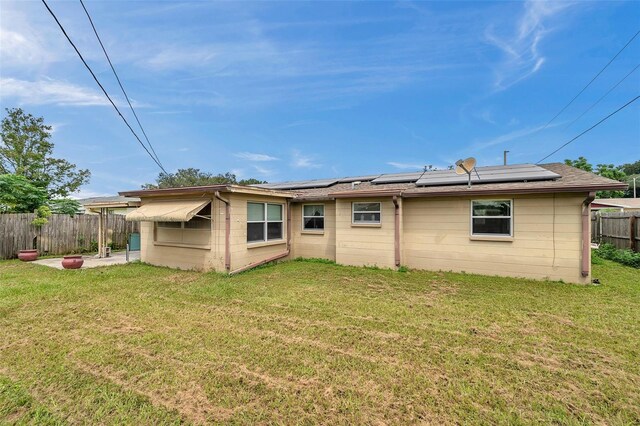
[{"x": 307, "y": 342}]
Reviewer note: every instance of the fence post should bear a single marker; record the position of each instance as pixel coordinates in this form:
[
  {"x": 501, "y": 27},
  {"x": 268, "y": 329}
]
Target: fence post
[{"x": 632, "y": 232}]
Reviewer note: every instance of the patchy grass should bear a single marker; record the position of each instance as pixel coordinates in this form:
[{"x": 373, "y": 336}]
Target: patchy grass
[{"x": 313, "y": 342}]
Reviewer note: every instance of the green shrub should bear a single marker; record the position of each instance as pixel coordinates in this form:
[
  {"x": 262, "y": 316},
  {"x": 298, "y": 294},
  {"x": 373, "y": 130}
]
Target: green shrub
[{"x": 625, "y": 257}]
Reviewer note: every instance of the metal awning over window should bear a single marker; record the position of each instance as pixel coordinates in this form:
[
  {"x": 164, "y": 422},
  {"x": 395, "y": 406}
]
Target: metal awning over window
[{"x": 167, "y": 210}]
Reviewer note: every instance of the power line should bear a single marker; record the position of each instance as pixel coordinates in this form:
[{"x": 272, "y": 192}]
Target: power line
[
  {"x": 101, "y": 87},
  {"x": 592, "y": 80},
  {"x": 119, "y": 82},
  {"x": 603, "y": 96},
  {"x": 591, "y": 128}
]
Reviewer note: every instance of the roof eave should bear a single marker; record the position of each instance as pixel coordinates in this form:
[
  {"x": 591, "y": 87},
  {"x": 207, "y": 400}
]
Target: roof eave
[
  {"x": 533, "y": 190},
  {"x": 202, "y": 190}
]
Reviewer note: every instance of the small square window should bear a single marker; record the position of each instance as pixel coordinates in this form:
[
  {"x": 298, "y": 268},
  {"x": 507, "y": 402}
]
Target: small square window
[
  {"x": 492, "y": 217},
  {"x": 366, "y": 213},
  {"x": 264, "y": 222},
  {"x": 313, "y": 217}
]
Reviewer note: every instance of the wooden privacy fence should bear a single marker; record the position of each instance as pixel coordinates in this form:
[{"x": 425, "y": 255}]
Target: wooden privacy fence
[
  {"x": 621, "y": 229},
  {"x": 62, "y": 235}
]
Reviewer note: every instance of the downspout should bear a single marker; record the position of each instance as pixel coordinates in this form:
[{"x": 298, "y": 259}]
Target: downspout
[
  {"x": 586, "y": 229},
  {"x": 277, "y": 256},
  {"x": 288, "y": 225},
  {"x": 227, "y": 231},
  {"x": 396, "y": 233}
]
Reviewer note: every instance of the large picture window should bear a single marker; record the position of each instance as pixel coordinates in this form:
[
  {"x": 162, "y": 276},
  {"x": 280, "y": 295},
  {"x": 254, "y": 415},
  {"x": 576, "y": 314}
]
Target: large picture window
[
  {"x": 492, "y": 217},
  {"x": 264, "y": 222},
  {"x": 313, "y": 217},
  {"x": 366, "y": 213}
]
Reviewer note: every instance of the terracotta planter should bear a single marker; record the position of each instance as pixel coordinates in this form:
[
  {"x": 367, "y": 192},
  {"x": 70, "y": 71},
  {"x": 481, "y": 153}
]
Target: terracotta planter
[
  {"x": 28, "y": 255},
  {"x": 72, "y": 262}
]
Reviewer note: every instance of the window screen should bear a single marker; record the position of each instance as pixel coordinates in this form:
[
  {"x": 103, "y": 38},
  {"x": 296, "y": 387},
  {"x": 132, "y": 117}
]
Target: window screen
[
  {"x": 313, "y": 217},
  {"x": 366, "y": 213},
  {"x": 491, "y": 217},
  {"x": 264, "y": 222}
]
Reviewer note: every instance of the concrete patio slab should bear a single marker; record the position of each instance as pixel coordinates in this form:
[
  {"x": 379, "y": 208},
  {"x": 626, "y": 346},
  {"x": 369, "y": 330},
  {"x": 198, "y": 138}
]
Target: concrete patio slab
[{"x": 117, "y": 258}]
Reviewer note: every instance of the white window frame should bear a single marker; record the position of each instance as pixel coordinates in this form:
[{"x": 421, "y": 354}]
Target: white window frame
[
  {"x": 354, "y": 211},
  {"x": 266, "y": 221},
  {"x": 510, "y": 217},
  {"x": 305, "y": 217}
]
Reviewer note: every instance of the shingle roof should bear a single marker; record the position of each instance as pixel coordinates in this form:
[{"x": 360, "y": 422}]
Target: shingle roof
[
  {"x": 572, "y": 179},
  {"x": 108, "y": 199},
  {"x": 632, "y": 203}
]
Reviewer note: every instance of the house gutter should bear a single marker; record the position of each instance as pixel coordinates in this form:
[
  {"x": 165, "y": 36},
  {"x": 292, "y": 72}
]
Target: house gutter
[
  {"x": 227, "y": 231},
  {"x": 586, "y": 229},
  {"x": 396, "y": 233},
  {"x": 277, "y": 256}
]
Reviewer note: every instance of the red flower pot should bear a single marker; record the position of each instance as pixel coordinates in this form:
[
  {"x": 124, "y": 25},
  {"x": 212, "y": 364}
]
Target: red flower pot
[
  {"x": 28, "y": 255},
  {"x": 72, "y": 262}
]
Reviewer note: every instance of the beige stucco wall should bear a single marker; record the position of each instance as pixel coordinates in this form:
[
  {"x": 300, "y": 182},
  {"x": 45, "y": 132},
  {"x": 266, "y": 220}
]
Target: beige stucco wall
[
  {"x": 547, "y": 238},
  {"x": 435, "y": 235},
  {"x": 202, "y": 258},
  {"x": 181, "y": 256},
  {"x": 365, "y": 245},
  {"x": 243, "y": 253},
  {"x": 314, "y": 244}
]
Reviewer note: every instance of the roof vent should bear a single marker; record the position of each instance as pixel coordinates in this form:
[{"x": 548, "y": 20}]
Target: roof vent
[{"x": 355, "y": 184}]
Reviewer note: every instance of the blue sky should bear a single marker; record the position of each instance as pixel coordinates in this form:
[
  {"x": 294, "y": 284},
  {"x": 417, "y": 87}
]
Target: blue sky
[{"x": 296, "y": 90}]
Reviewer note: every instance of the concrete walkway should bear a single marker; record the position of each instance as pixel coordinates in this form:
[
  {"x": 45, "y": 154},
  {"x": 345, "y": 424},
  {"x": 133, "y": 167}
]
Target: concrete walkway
[{"x": 117, "y": 258}]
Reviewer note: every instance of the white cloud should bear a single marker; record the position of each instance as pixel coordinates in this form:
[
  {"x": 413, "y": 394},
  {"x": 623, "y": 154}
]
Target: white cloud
[
  {"x": 511, "y": 136},
  {"x": 522, "y": 56},
  {"x": 88, "y": 193},
  {"x": 301, "y": 161},
  {"x": 265, "y": 172},
  {"x": 404, "y": 166},
  {"x": 252, "y": 156},
  {"x": 46, "y": 92},
  {"x": 21, "y": 51}
]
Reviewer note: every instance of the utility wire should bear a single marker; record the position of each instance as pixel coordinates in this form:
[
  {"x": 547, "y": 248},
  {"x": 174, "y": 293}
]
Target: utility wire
[
  {"x": 591, "y": 128},
  {"x": 101, "y": 87},
  {"x": 602, "y": 97},
  {"x": 119, "y": 82},
  {"x": 592, "y": 80}
]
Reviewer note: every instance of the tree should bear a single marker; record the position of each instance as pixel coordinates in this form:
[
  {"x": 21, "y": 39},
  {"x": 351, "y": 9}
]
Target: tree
[
  {"x": 581, "y": 163},
  {"x": 26, "y": 150},
  {"x": 196, "y": 177},
  {"x": 250, "y": 181},
  {"x": 18, "y": 195},
  {"x": 612, "y": 172},
  {"x": 631, "y": 168},
  {"x": 605, "y": 170},
  {"x": 64, "y": 206}
]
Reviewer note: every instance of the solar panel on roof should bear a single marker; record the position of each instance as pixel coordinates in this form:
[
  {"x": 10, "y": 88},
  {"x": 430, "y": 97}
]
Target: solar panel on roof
[
  {"x": 397, "y": 178},
  {"x": 358, "y": 178},
  {"x": 305, "y": 184},
  {"x": 490, "y": 174}
]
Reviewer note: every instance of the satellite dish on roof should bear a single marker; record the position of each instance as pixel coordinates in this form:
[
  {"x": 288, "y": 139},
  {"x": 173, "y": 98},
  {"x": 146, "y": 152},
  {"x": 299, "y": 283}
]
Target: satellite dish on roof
[{"x": 466, "y": 166}]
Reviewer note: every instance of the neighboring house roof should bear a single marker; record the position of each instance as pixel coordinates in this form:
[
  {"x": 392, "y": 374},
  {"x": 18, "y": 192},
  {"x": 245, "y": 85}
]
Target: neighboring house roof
[
  {"x": 627, "y": 203},
  {"x": 114, "y": 201},
  {"x": 562, "y": 178}
]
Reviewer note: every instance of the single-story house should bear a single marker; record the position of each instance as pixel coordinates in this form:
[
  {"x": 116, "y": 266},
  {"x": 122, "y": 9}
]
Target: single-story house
[
  {"x": 618, "y": 204},
  {"x": 519, "y": 220}
]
